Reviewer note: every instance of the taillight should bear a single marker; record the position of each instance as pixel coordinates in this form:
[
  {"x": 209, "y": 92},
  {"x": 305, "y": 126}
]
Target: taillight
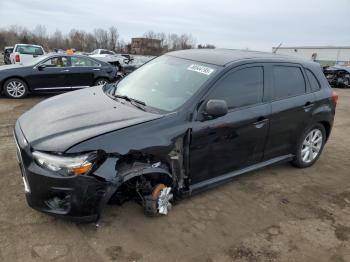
[
  {"x": 335, "y": 97},
  {"x": 17, "y": 58}
]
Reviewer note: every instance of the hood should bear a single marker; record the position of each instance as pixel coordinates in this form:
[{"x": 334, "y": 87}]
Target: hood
[
  {"x": 338, "y": 67},
  {"x": 62, "y": 121}
]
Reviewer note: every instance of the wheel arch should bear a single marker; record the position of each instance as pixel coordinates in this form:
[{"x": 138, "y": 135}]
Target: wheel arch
[
  {"x": 157, "y": 171},
  {"x": 14, "y": 77},
  {"x": 327, "y": 127}
]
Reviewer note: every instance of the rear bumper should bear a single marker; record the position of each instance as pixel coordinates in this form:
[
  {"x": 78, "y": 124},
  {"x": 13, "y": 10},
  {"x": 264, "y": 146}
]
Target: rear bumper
[{"x": 79, "y": 199}]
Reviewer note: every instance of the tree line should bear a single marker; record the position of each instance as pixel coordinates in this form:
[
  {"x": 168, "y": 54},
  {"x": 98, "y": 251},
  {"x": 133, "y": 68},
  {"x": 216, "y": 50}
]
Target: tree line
[{"x": 88, "y": 41}]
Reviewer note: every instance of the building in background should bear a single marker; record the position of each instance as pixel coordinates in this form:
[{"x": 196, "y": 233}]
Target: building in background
[
  {"x": 325, "y": 55},
  {"x": 145, "y": 46}
]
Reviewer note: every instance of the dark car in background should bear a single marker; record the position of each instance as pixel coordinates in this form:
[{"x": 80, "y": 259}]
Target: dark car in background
[
  {"x": 55, "y": 73},
  {"x": 6, "y": 53},
  {"x": 338, "y": 76},
  {"x": 182, "y": 123}
]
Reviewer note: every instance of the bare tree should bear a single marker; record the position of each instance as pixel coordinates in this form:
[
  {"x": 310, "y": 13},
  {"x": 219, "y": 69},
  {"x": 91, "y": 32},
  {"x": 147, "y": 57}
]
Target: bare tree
[
  {"x": 101, "y": 36},
  {"x": 77, "y": 39},
  {"x": 91, "y": 43},
  {"x": 40, "y": 35},
  {"x": 88, "y": 41},
  {"x": 113, "y": 37},
  {"x": 150, "y": 34},
  {"x": 207, "y": 46},
  {"x": 56, "y": 40}
]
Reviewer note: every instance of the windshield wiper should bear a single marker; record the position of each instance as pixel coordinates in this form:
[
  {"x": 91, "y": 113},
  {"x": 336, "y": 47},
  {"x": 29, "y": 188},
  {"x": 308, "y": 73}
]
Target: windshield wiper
[
  {"x": 129, "y": 99},
  {"x": 135, "y": 102}
]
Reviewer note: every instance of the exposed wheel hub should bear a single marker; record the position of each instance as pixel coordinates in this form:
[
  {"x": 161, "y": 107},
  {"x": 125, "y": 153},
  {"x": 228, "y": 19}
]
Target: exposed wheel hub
[
  {"x": 159, "y": 202},
  {"x": 164, "y": 198}
]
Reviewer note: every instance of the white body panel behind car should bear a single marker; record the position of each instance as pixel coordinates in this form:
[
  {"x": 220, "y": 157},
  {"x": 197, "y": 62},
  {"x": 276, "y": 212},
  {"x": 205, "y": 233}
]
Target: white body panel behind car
[{"x": 26, "y": 53}]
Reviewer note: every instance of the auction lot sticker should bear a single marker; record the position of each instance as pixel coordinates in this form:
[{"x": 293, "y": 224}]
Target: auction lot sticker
[{"x": 201, "y": 69}]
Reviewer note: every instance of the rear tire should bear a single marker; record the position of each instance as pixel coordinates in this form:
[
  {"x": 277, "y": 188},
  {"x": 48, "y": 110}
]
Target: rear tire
[
  {"x": 15, "y": 88},
  {"x": 101, "y": 82},
  {"x": 310, "y": 146}
]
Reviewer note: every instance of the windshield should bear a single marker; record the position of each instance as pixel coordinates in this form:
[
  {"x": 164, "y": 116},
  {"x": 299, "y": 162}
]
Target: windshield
[{"x": 166, "y": 83}]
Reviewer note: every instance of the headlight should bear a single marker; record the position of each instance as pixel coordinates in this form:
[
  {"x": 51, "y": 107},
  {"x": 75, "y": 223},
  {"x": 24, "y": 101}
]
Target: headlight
[{"x": 64, "y": 165}]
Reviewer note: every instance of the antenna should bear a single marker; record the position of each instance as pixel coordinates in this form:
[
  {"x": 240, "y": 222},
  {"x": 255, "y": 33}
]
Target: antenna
[{"x": 278, "y": 47}]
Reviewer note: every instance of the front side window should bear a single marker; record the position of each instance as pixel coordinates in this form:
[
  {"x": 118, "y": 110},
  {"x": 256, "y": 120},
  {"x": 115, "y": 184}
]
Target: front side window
[
  {"x": 60, "y": 61},
  {"x": 83, "y": 62},
  {"x": 288, "y": 81},
  {"x": 166, "y": 82},
  {"x": 240, "y": 88},
  {"x": 29, "y": 50}
]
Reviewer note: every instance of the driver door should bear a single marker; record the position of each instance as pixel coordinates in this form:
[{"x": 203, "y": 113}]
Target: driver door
[
  {"x": 53, "y": 76},
  {"x": 236, "y": 140}
]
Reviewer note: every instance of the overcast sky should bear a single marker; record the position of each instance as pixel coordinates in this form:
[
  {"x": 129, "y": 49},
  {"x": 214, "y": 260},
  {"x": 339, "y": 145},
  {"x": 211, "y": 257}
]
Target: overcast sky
[{"x": 253, "y": 24}]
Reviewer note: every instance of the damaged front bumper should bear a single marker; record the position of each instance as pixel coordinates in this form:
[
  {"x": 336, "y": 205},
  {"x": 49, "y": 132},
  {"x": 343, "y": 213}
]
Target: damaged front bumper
[{"x": 76, "y": 198}]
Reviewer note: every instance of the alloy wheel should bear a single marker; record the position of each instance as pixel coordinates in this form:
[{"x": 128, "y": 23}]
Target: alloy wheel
[
  {"x": 15, "y": 89},
  {"x": 102, "y": 82},
  {"x": 311, "y": 146}
]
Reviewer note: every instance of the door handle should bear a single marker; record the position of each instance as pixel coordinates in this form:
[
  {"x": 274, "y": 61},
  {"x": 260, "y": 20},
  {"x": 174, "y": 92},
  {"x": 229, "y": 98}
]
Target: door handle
[
  {"x": 65, "y": 70},
  {"x": 308, "y": 105},
  {"x": 260, "y": 122},
  {"x": 96, "y": 69}
]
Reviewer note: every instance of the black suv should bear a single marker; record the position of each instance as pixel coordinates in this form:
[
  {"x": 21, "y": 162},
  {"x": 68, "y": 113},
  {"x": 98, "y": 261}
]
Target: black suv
[{"x": 183, "y": 122}]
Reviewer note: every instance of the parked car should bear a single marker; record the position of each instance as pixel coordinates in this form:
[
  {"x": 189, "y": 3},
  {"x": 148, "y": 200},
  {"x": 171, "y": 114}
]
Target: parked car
[
  {"x": 6, "y": 53},
  {"x": 110, "y": 57},
  {"x": 24, "y": 54},
  {"x": 54, "y": 73},
  {"x": 184, "y": 122},
  {"x": 338, "y": 76}
]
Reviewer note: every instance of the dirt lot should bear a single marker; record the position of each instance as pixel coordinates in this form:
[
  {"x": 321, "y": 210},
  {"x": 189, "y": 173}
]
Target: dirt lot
[{"x": 276, "y": 214}]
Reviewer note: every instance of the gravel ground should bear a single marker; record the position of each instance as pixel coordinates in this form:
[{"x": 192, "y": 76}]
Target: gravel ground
[{"x": 279, "y": 213}]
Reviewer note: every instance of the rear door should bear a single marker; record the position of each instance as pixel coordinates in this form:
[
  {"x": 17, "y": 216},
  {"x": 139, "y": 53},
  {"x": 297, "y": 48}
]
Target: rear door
[
  {"x": 55, "y": 75},
  {"x": 83, "y": 71},
  {"x": 236, "y": 140},
  {"x": 292, "y": 104}
]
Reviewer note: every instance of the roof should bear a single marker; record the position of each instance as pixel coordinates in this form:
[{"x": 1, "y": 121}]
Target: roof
[
  {"x": 312, "y": 47},
  {"x": 222, "y": 57},
  {"x": 30, "y": 45}
]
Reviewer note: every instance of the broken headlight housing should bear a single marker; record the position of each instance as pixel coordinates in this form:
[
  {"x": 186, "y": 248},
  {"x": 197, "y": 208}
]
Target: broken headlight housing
[{"x": 66, "y": 165}]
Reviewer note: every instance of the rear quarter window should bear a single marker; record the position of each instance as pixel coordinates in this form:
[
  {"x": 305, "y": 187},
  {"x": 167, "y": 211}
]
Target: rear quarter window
[
  {"x": 288, "y": 81},
  {"x": 314, "y": 84}
]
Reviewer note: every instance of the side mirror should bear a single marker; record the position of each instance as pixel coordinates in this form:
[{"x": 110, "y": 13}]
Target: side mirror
[
  {"x": 41, "y": 67},
  {"x": 216, "y": 108}
]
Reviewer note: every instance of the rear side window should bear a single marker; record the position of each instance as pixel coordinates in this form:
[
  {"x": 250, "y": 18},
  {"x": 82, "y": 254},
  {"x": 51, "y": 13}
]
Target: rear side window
[
  {"x": 288, "y": 81},
  {"x": 241, "y": 88},
  {"x": 83, "y": 62},
  {"x": 314, "y": 84}
]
